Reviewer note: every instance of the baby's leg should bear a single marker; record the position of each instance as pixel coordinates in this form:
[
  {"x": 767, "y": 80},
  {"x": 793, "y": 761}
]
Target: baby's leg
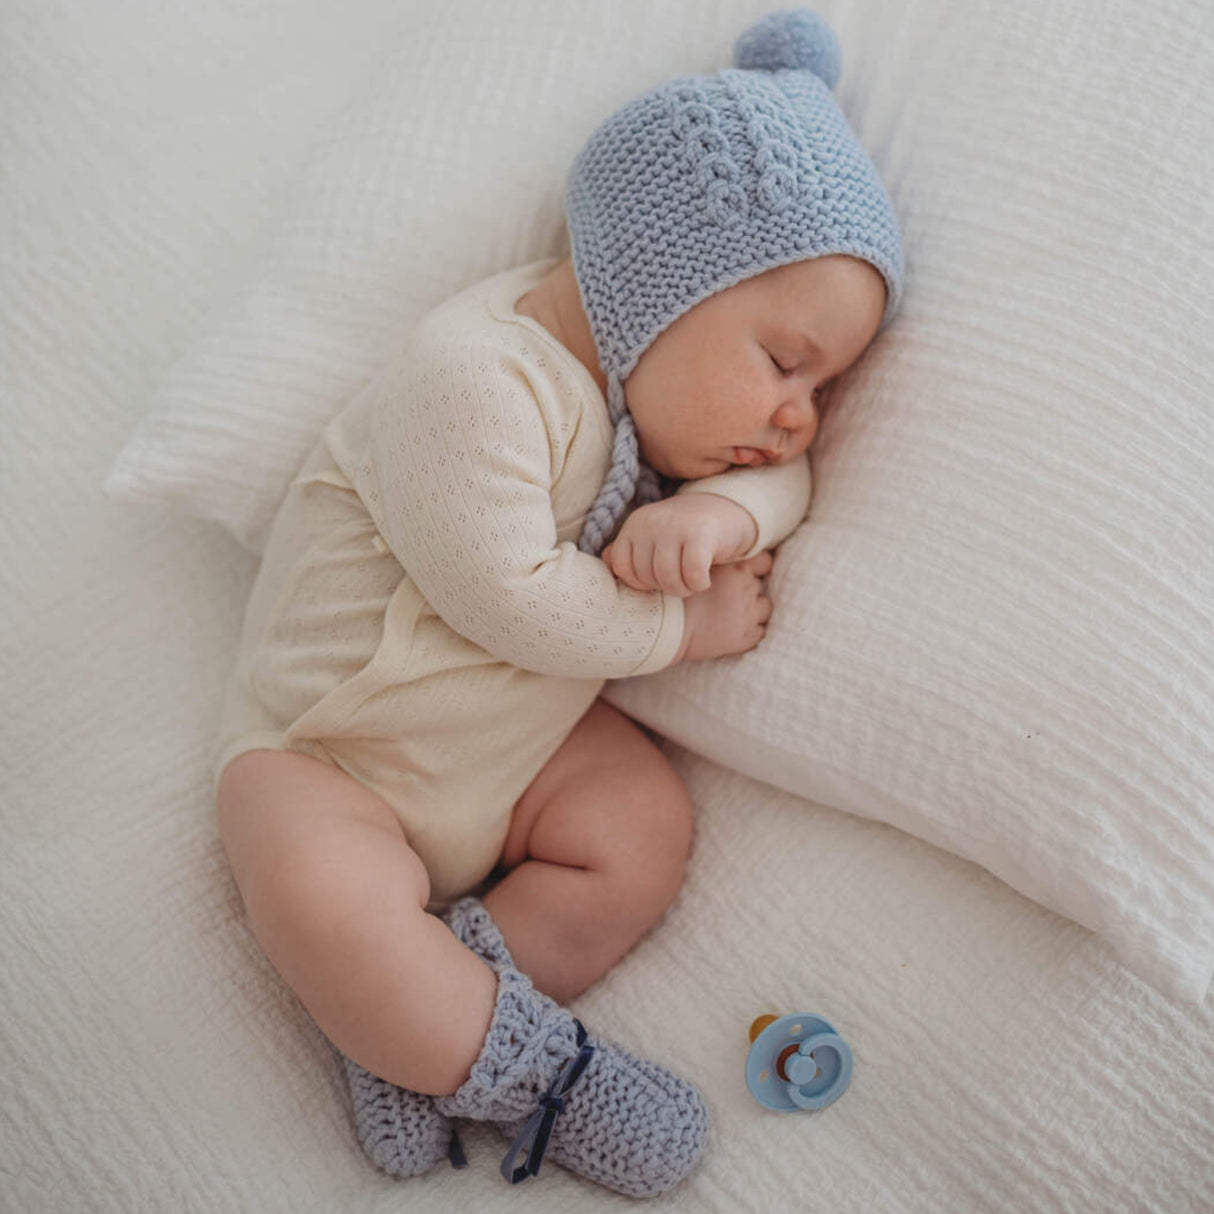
[
  {"x": 596, "y": 851},
  {"x": 335, "y": 897}
]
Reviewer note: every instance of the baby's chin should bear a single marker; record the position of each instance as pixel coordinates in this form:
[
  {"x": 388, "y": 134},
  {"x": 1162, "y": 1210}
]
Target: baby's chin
[{"x": 710, "y": 465}]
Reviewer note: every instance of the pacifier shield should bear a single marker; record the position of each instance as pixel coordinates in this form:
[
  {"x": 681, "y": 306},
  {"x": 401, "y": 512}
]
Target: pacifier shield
[{"x": 798, "y": 1062}]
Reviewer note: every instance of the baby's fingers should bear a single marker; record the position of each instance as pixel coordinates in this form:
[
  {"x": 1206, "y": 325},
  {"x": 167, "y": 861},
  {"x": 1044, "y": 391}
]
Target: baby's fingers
[
  {"x": 618, "y": 558},
  {"x": 641, "y": 557},
  {"x": 682, "y": 569},
  {"x": 696, "y": 566},
  {"x": 760, "y": 563},
  {"x": 668, "y": 570},
  {"x": 629, "y": 565}
]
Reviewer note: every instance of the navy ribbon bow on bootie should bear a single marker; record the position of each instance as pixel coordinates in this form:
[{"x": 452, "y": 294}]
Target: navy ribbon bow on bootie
[{"x": 538, "y": 1128}]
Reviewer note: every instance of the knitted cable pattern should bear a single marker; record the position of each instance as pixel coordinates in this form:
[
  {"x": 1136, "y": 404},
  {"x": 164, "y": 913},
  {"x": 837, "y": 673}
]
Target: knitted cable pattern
[
  {"x": 705, "y": 151},
  {"x": 703, "y": 182},
  {"x": 775, "y": 155}
]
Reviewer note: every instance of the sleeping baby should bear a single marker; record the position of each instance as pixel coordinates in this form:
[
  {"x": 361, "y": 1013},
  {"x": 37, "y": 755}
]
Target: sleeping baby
[{"x": 571, "y": 472}]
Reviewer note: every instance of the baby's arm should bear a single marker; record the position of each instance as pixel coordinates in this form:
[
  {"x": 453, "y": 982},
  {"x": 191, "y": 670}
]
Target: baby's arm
[
  {"x": 671, "y": 545},
  {"x": 458, "y": 478},
  {"x": 775, "y": 496}
]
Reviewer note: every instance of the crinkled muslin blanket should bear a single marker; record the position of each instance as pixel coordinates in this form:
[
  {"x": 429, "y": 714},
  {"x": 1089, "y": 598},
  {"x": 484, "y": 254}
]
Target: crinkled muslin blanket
[{"x": 1006, "y": 1059}]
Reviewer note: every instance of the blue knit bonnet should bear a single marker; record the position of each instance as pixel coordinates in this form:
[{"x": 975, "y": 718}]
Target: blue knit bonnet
[{"x": 706, "y": 181}]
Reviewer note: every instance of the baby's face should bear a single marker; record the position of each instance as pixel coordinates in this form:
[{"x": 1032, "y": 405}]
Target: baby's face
[{"x": 736, "y": 380}]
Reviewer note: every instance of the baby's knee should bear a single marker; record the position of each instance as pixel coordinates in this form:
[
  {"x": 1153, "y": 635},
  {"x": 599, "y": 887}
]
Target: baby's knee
[
  {"x": 650, "y": 866},
  {"x": 670, "y": 821}
]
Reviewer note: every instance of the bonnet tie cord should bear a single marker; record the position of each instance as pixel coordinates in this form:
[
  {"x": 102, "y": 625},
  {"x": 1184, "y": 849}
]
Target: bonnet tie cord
[{"x": 538, "y": 1128}]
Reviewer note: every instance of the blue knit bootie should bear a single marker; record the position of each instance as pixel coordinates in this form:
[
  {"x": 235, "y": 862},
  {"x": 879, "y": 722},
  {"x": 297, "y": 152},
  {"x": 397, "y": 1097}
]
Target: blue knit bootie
[
  {"x": 473, "y": 926},
  {"x": 401, "y": 1131},
  {"x": 594, "y": 1108}
]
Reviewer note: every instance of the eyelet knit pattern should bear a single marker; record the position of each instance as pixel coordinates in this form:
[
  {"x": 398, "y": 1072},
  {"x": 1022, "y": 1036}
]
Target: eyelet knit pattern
[
  {"x": 627, "y": 1124},
  {"x": 706, "y": 181}
]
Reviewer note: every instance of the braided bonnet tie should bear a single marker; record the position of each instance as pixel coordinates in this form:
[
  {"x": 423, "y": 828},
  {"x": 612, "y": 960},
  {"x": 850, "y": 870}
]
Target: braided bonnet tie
[{"x": 630, "y": 477}]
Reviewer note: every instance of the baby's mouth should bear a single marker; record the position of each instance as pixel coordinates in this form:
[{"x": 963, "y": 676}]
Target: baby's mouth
[{"x": 750, "y": 456}]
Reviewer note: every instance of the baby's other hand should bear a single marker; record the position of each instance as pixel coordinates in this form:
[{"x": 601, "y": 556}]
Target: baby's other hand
[
  {"x": 671, "y": 545},
  {"x": 731, "y": 616}
]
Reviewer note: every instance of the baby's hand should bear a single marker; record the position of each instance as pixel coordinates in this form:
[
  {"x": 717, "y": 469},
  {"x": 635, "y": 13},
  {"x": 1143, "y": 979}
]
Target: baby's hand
[
  {"x": 672, "y": 544},
  {"x": 731, "y": 616}
]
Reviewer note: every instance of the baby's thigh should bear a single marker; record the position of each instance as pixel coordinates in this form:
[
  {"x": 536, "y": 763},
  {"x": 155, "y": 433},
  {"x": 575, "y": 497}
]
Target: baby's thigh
[
  {"x": 607, "y": 800},
  {"x": 288, "y": 819}
]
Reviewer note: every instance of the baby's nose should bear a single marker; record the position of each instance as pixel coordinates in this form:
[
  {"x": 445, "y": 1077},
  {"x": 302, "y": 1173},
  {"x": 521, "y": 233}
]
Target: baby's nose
[{"x": 799, "y": 413}]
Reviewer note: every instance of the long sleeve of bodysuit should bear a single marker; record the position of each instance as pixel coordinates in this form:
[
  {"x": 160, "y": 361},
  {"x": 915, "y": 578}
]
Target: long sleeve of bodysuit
[
  {"x": 776, "y": 496},
  {"x": 458, "y": 477}
]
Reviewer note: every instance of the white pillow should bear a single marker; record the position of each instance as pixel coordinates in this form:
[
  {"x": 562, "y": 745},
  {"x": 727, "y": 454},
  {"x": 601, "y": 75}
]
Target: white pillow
[
  {"x": 994, "y": 631},
  {"x": 448, "y": 166}
]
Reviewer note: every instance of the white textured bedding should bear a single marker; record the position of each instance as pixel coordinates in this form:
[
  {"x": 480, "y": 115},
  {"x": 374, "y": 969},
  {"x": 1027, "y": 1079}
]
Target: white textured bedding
[{"x": 149, "y": 1059}]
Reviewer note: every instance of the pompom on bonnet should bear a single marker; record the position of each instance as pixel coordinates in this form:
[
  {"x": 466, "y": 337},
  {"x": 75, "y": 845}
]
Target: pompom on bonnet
[{"x": 706, "y": 181}]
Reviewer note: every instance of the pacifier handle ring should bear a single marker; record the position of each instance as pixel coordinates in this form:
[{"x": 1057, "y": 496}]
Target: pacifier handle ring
[{"x": 827, "y": 1042}]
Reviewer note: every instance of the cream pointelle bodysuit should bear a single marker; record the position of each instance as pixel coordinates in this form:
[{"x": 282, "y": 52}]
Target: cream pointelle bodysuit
[{"x": 422, "y": 618}]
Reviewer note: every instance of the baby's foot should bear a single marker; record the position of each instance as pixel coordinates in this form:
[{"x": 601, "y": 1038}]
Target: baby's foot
[
  {"x": 401, "y": 1131},
  {"x": 591, "y": 1106}
]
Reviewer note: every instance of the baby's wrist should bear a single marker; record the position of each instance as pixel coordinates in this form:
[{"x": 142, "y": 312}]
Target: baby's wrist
[
  {"x": 690, "y": 612},
  {"x": 739, "y": 531}
]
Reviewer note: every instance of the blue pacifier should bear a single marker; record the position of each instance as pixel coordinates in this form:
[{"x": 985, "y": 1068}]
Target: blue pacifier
[{"x": 796, "y": 1062}]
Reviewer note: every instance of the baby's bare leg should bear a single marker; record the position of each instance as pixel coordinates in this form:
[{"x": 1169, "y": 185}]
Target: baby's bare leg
[
  {"x": 335, "y": 897},
  {"x": 596, "y": 852}
]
